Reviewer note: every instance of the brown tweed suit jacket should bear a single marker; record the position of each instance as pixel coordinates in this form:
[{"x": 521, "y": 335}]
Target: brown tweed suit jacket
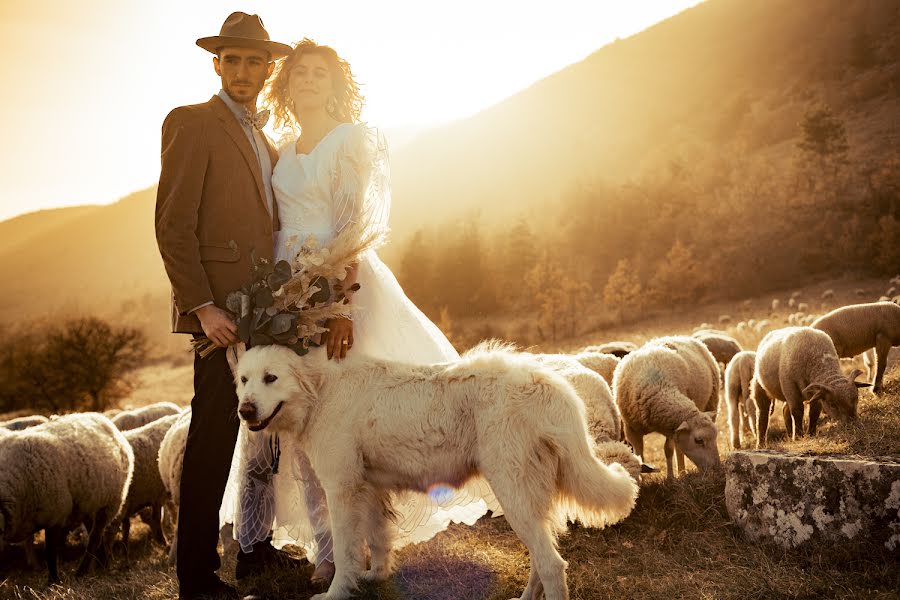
[{"x": 210, "y": 208}]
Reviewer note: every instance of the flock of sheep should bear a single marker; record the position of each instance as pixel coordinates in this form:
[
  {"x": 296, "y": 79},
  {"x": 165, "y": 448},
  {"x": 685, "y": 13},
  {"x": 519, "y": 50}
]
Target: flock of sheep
[
  {"x": 92, "y": 471},
  {"x": 96, "y": 470}
]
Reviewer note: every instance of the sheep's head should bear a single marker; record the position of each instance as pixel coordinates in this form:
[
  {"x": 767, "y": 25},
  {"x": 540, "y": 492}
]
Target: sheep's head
[
  {"x": 697, "y": 438},
  {"x": 839, "y": 399}
]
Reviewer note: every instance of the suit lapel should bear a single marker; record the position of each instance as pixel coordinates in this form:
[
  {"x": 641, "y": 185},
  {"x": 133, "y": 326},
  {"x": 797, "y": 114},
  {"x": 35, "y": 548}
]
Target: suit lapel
[{"x": 237, "y": 135}]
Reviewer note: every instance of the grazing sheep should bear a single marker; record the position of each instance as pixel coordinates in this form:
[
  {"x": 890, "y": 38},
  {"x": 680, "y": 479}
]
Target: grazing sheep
[
  {"x": 870, "y": 363},
  {"x": 20, "y": 423},
  {"x": 171, "y": 457},
  {"x": 892, "y": 291},
  {"x": 741, "y": 410},
  {"x": 860, "y": 292},
  {"x": 828, "y": 294},
  {"x": 722, "y": 345},
  {"x": 799, "y": 366},
  {"x": 138, "y": 417},
  {"x": 147, "y": 487},
  {"x": 671, "y": 386},
  {"x": 792, "y": 302},
  {"x": 751, "y": 323},
  {"x": 775, "y": 304},
  {"x": 858, "y": 327},
  {"x": 724, "y": 319},
  {"x": 74, "y": 469},
  {"x": 599, "y": 362},
  {"x": 796, "y": 294},
  {"x": 618, "y": 349},
  {"x": 748, "y": 303},
  {"x": 803, "y": 307},
  {"x": 741, "y": 326},
  {"x": 761, "y": 326}
]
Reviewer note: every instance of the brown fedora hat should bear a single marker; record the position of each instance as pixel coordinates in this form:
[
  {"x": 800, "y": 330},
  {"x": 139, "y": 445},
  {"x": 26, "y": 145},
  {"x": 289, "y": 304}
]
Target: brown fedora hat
[{"x": 244, "y": 31}]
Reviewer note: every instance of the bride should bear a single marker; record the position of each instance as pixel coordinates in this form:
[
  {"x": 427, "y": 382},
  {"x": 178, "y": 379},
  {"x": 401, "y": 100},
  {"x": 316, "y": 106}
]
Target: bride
[{"x": 333, "y": 173}]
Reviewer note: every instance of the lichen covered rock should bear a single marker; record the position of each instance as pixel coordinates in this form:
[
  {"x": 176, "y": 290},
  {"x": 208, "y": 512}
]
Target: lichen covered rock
[{"x": 791, "y": 499}]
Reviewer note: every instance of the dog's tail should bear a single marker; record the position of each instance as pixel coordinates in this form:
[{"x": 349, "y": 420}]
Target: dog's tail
[{"x": 591, "y": 491}]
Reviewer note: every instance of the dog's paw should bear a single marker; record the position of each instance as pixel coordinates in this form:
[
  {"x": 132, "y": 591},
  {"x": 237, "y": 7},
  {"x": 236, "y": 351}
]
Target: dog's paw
[{"x": 376, "y": 575}]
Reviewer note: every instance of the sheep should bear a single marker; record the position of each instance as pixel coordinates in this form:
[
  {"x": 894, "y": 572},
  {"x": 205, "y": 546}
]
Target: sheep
[
  {"x": 602, "y": 364},
  {"x": 741, "y": 326},
  {"x": 761, "y": 326},
  {"x": 802, "y": 307},
  {"x": 20, "y": 423},
  {"x": 828, "y": 294},
  {"x": 892, "y": 291},
  {"x": 138, "y": 417},
  {"x": 618, "y": 349},
  {"x": 741, "y": 410},
  {"x": 857, "y": 327},
  {"x": 775, "y": 304},
  {"x": 671, "y": 386},
  {"x": 146, "y": 487},
  {"x": 860, "y": 292},
  {"x": 724, "y": 319},
  {"x": 171, "y": 457},
  {"x": 799, "y": 366},
  {"x": 796, "y": 294},
  {"x": 748, "y": 303},
  {"x": 792, "y": 302},
  {"x": 722, "y": 345},
  {"x": 870, "y": 363},
  {"x": 70, "y": 470}
]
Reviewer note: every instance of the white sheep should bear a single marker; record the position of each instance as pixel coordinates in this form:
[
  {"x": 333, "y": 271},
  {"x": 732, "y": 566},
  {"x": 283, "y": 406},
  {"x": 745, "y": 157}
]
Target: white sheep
[
  {"x": 803, "y": 307},
  {"x": 147, "y": 487},
  {"x": 20, "y": 423},
  {"x": 74, "y": 469},
  {"x": 858, "y": 327},
  {"x": 171, "y": 457},
  {"x": 741, "y": 410},
  {"x": 860, "y": 292},
  {"x": 828, "y": 294},
  {"x": 138, "y": 417},
  {"x": 724, "y": 319},
  {"x": 799, "y": 366},
  {"x": 671, "y": 386},
  {"x": 618, "y": 349},
  {"x": 761, "y": 326},
  {"x": 775, "y": 304},
  {"x": 722, "y": 346},
  {"x": 796, "y": 294},
  {"x": 599, "y": 362},
  {"x": 792, "y": 302}
]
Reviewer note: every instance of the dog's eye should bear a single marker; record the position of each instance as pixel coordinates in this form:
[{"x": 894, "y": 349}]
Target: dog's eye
[
  {"x": 699, "y": 441},
  {"x": 269, "y": 378},
  {"x": 243, "y": 379}
]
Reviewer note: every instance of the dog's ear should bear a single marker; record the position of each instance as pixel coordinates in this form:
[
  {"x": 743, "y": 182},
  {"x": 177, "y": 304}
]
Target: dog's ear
[{"x": 308, "y": 377}]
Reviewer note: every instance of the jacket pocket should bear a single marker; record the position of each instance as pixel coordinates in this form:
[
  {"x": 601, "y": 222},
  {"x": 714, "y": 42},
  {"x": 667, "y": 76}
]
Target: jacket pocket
[{"x": 220, "y": 252}]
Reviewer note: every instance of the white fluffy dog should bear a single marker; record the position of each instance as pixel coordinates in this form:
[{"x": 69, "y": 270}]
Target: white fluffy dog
[{"x": 371, "y": 427}]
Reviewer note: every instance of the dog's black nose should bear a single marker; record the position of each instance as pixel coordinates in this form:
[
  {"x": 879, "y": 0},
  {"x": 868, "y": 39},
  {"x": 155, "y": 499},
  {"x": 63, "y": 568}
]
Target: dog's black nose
[{"x": 248, "y": 412}]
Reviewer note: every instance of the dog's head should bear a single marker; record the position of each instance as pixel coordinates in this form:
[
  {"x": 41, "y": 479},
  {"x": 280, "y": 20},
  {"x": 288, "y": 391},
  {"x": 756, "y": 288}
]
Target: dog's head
[{"x": 274, "y": 389}]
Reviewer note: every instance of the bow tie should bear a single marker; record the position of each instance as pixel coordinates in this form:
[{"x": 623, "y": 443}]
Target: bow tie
[{"x": 257, "y": 121}]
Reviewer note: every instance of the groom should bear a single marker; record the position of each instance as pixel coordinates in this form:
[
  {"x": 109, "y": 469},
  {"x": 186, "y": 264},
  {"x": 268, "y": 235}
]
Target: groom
[{"x": 214, "y": 207}]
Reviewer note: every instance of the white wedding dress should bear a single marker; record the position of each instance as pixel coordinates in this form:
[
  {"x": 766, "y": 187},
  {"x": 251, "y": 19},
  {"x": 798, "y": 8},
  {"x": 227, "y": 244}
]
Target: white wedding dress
[{"x": 345, "y": 177}]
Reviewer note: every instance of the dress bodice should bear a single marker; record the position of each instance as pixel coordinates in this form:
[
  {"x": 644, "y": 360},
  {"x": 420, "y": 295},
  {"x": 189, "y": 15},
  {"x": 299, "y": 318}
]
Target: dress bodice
[{"x": 303, "y": 186}]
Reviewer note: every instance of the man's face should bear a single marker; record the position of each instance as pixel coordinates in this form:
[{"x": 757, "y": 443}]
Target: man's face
[{"x": 243, "y": 71}]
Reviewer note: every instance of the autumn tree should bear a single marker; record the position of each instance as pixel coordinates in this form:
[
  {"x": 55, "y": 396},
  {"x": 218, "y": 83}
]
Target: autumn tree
[
  {"x": 679, "y": 277},
  {"x": 623, "y": 291},
  {"x": 562, "y": 299}
]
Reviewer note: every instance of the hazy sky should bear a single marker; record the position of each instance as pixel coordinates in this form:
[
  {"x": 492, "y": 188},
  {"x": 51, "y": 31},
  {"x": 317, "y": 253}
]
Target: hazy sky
[{"x": 88, "y": 83}]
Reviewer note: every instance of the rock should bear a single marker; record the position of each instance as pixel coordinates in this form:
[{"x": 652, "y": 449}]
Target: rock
[{"x": 791, "y": 499}]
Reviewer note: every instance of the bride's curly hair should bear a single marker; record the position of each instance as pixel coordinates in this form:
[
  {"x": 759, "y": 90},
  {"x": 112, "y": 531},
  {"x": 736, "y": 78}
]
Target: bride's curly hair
[{"x": 349, "y": 99}]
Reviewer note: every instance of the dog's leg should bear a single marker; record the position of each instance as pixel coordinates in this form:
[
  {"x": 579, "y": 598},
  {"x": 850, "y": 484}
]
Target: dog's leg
[
  {"x": 380, "y": 537},
  {"x": 528, "y": 500},
  {"x": 345, "y": 533},
  {"x": 534, "y": 590}
]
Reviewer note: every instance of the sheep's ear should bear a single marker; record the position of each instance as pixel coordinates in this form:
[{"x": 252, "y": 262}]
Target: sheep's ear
[
  {"x": 712, "y": 415},
  {"x": 862, "y": 384},
  {"x": 854, "y": 374},
  {"x": 818, "y": 394},
  {"x": 814, "y": 389},
  {"x": 683, "y": 427}
]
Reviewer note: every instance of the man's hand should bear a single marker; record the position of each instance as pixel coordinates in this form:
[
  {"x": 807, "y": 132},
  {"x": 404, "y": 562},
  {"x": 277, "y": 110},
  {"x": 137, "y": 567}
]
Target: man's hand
[
  {"x": 217, "y": 325},
  {"x": 339, "y": 337}
]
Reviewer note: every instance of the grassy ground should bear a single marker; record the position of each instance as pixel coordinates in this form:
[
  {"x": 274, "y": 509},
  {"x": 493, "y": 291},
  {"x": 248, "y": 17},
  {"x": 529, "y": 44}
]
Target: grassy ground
[{"x": 678, "y": 543}]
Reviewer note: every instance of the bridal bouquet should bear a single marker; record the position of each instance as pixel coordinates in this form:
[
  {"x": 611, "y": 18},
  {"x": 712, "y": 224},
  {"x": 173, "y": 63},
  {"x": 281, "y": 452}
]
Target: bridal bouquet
[{"x": 288, "y": 303}]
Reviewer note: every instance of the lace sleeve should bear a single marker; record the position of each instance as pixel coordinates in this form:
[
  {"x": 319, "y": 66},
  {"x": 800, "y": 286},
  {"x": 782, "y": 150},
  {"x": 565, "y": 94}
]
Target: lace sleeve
[{"x": 361, "y": 189}]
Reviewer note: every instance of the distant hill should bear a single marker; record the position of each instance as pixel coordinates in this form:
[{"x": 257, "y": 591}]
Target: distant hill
[{"x": 721, "y": 73}]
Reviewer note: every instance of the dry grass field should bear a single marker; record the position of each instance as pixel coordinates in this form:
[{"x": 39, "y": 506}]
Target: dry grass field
[{"x": 678, "y": 542}]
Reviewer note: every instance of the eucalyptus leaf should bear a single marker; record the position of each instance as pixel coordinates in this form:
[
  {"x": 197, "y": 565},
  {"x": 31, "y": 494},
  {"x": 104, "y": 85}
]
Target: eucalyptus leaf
[
  {"x": 282, "y": 323},
  {"x": 280, "y": 275},
  {"x": 258, "y": 338},
  {"x": 244, "y": 328},
  {"x": 233, "y": 302},
  {"x": 263, "y": 298},
  {"x": 324, "y": 292},
  {"x": 272, "y": 311}
]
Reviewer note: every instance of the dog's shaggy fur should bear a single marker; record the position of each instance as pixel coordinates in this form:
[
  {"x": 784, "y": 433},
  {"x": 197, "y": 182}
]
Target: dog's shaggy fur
[{"x": 373, "y": 427}]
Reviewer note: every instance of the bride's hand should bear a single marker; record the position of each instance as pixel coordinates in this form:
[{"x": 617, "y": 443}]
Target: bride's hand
[{"x": 339, "y": 337}]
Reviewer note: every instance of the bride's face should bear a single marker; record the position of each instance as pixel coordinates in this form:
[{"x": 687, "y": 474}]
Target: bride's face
[{"x": 310, "y": 83}]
